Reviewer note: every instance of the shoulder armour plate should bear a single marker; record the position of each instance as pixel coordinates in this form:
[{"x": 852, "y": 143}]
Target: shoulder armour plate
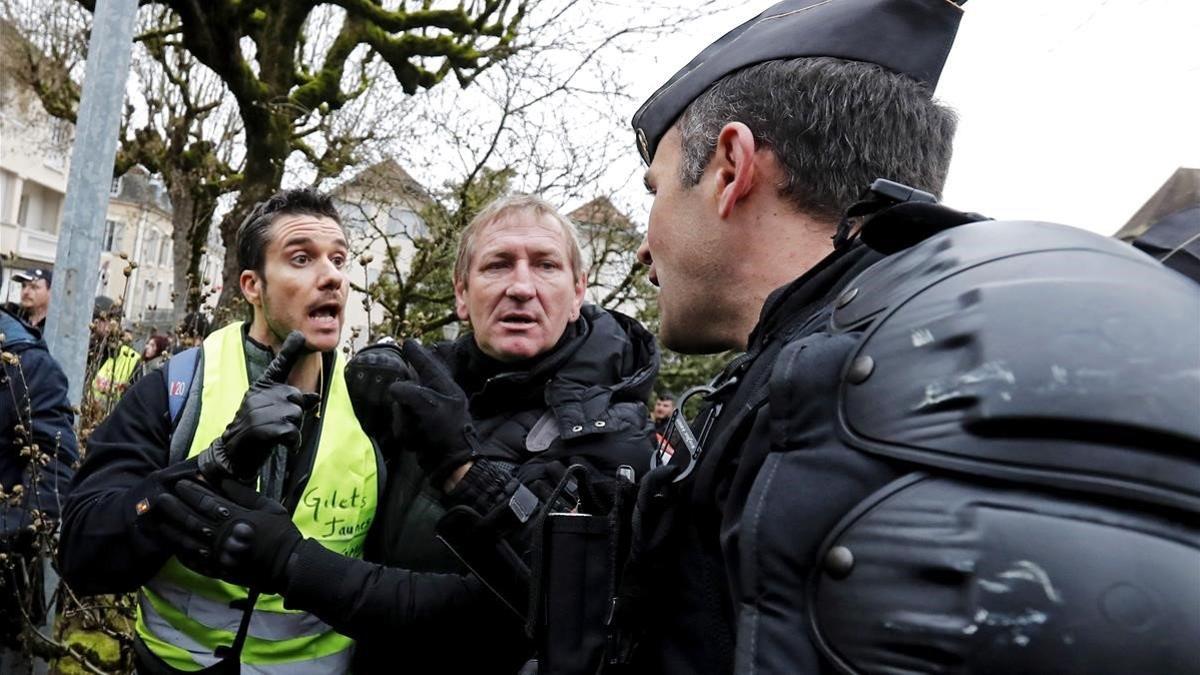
[
  {"x": 931, "y": 575},
  {"x": 1033, "y": 352}
]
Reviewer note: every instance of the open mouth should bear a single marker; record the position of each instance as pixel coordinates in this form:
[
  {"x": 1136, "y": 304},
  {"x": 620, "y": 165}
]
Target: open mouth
[
  {"x": 325, "y": 315},
  {"x": 518, "y": 320}
]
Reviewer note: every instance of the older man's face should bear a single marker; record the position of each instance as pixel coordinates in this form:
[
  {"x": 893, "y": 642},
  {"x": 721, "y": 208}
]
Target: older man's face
[{"x": 520, "y": 291}]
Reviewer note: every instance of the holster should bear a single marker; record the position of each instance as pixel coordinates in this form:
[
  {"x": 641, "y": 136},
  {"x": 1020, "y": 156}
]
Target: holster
[{"x": 577, "y": 559}]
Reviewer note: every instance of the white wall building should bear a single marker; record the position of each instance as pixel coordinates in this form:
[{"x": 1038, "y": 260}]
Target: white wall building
[
  {"x": 381, "y": 208},
  {"x": 34, "y": 162},
  {"x": 609, "y": 241}
]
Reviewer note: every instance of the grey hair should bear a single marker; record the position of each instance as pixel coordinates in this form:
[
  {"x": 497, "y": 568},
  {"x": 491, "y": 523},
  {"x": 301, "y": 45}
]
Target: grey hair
[
  {"x": 834, "y": 125},
  {"x": 508, "y": 206}
]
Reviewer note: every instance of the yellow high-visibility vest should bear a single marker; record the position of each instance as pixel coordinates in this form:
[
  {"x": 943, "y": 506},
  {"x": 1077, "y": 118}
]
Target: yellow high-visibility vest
[
  {"x": 184, "y": 617},
  {"x": 115, "y": 373}
]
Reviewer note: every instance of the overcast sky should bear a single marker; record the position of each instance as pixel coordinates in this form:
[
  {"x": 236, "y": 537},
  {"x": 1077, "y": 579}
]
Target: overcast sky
[{"x": 1072, "y": 111}]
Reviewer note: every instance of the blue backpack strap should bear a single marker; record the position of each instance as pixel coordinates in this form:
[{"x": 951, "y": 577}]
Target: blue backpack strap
[{"x": 181, "y": 370}]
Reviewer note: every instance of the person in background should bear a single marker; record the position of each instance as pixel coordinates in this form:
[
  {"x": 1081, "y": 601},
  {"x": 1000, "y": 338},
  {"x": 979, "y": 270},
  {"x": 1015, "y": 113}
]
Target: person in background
[
  {"x": 664, "y": 407},
  {"x": 38, "y": 450},
  {"x": 117, "y": 371},
  {"x": 35, "y": 295},
  {"x": 154, "y": 354}
]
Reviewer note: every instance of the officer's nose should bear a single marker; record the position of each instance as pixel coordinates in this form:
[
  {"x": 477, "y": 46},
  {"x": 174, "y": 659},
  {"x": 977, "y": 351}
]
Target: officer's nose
[{"x": 643, "y": 252}]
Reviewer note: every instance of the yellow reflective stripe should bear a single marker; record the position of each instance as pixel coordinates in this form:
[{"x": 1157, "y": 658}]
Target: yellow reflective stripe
[
  {"x": 264, "y": 623},
  {"x": 254, "y": 651},
  {"x": 182, "y": 644}
]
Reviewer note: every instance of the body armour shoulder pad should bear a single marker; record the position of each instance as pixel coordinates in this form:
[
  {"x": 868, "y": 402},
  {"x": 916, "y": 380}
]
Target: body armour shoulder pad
[
  {"x": 1031, "y": 352},
  {"x": 935, "y": 575}
]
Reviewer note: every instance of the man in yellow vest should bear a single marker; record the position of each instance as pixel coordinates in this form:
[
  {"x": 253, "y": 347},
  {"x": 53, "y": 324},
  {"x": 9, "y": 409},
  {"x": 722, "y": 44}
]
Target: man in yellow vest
[{"x": 263, "y": 405}]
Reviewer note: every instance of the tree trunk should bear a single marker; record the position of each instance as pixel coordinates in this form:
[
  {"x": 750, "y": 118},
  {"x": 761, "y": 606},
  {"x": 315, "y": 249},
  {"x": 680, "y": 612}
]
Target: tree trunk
[{"x": 189, "y": 222}]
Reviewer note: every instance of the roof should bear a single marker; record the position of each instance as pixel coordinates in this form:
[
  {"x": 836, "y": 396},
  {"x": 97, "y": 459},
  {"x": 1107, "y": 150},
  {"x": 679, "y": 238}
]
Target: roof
[
  {"x": 386, "y": 178},
  {"x": 139, "y": 187},
  {"x": 600, "y": 211},
  {"x": 1181, "y": 191}
]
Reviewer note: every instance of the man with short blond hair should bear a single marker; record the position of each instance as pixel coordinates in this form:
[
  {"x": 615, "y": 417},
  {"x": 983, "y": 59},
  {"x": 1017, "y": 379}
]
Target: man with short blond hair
[{"x": 513, "y": 206}]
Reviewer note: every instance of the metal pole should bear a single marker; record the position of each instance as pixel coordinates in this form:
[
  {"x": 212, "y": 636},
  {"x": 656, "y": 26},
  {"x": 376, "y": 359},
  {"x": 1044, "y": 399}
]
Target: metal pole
[{"x": 77, "y": 258}]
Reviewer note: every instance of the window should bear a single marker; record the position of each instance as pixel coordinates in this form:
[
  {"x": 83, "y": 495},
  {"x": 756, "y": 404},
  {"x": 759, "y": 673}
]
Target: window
[
  {"x": 149, "y": 248},
  {"x": 115, "y": 188},
  {"x": 164, "y": 253},
  {"x": 147, "y": 298},
  {"x": 114, "y": 233},
  {"x": 23, "y": 210},
  {"x": 8, "y": 186},
  {"x": 60, "y": 133}
]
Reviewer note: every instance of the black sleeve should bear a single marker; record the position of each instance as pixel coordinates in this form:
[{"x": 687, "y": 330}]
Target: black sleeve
[
  {"x": 365, "y": 600},
  {"x": 100, "y": 550},
  {"x": 39, "y": 390}
]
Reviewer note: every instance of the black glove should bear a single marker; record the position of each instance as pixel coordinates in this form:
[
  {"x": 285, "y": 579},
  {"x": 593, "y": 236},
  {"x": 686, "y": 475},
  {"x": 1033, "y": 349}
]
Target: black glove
[
  {"x": 270, "y": 415},
  {"x": 142, "y": 505},
  {"x": 243, "y": 538},
  {"x": 368, "y": 376},
  {"x": 431, "y": 416}
]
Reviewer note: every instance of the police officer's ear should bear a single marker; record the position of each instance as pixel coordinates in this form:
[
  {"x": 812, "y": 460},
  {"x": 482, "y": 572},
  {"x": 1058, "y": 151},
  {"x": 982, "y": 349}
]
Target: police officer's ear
[
  {"x": 735, "y": 164},
  {"x": 252, "y": 287}
]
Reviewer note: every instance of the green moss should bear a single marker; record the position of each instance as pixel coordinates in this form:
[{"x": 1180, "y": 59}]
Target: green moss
[{"x": 101, "y": 649}]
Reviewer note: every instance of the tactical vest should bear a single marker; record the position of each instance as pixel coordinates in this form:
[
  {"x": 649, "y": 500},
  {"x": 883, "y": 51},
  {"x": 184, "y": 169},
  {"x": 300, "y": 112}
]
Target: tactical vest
[{"x": 185, "y": 618}]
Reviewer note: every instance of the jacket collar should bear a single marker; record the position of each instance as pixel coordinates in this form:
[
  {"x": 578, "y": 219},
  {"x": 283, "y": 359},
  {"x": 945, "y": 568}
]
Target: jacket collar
[
  {"x": 791, "y": 305},
  {"x": 16, "y": 331},
  {"x": 605, "y": 354}
]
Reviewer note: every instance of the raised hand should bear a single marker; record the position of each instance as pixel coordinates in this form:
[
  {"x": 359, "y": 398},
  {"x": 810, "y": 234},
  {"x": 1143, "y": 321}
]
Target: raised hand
[
  {"x": 270, "y": 415},
  {"x": 431, "y": 415}
]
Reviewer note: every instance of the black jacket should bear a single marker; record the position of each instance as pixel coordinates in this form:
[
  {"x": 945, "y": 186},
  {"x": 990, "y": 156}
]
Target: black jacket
[
  {"x": 593, "y": 385},
  {"x": 700, "y": 585},
  {"x": 33, "y": 411}
]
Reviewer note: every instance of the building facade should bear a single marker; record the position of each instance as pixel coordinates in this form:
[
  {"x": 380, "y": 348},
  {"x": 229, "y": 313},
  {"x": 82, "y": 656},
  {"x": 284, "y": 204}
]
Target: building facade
[{"x": 34, "y": 162}]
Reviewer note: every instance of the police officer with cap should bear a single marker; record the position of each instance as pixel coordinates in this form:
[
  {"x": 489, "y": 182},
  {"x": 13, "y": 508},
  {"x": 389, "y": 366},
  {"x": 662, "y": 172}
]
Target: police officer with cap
[
  {"x": 951, "y": 444},
  {"x": 35, "y": 295}
]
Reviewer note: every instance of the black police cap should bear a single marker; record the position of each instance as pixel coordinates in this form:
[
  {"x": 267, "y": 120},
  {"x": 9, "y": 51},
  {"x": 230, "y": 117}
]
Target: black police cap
[{"x": 910, "y": 37}]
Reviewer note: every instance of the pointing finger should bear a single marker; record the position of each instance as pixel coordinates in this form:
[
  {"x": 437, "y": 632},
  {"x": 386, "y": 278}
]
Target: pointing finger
[{"x": 290, "y": 352}]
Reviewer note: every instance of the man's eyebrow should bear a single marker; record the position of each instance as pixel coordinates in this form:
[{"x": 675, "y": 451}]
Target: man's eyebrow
[
  {"x": 297, "y": 241},
  {"x": 307, "y": 241}
]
